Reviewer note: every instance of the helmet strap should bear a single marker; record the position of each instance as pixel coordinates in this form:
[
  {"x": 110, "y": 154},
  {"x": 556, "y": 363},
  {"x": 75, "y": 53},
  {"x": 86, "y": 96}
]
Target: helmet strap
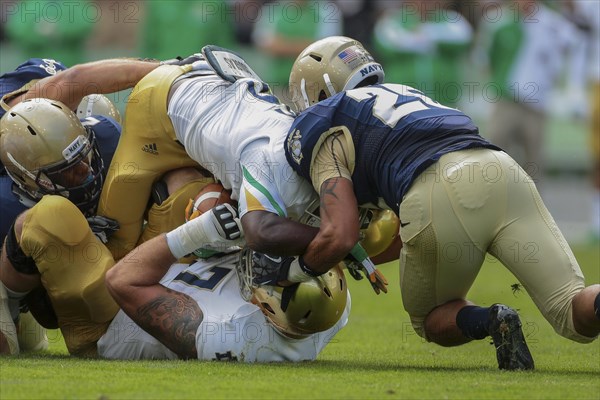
[
  {"x": 286, "y": 295},
  {"x": 304, "y": 94},
  {"x": 329, "y": 84}
]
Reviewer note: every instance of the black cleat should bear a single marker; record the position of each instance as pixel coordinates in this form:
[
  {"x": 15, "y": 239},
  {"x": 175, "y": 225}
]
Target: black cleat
[{"x": 505, "y": 328}]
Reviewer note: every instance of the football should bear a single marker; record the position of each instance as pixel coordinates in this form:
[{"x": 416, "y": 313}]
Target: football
[{"x": 210, "y": 196}]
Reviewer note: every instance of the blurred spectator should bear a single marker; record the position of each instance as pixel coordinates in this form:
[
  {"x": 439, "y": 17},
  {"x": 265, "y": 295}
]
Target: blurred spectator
[
  {"x": 586, "y": 16},
  {"x": 246, "y": 14},
  {"x": 285, "y": 28},
  {"x": 359, "y": 18},
  {"x": 116, "y": 33},
  {"x": 174, "y": 28},
  {"x": 422, "y": 44},
  {"x": 57, "y": 28},
  {"x": 529, "y": 47}
]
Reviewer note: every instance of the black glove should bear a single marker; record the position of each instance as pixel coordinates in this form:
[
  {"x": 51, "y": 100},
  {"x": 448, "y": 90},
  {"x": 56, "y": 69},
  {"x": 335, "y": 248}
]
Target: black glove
[
  {"x": 269, "y": 270},
  {"x": 354, "y": 268},
  {"x": 102, "y": 227}
]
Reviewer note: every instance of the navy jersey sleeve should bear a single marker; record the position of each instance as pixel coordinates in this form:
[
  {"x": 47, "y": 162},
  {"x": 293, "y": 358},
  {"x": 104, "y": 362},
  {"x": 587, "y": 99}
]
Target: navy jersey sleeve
[
  {"x": 32, "y": 69},
  {"x": 107, "y": 132}
]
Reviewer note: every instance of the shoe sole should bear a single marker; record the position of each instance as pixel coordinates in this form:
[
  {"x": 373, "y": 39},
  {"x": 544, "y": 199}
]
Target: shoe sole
[{"x": 511, "y": 349}]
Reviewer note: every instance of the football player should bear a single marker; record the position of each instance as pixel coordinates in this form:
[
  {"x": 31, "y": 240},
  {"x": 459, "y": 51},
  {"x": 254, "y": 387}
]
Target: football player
[
  {"x": 99, "y": 114},
  {"x": 457, "y": 195},
  {"x": 215, "y": 112},
  {"x": 214, "y": 320},
  {"x": 46, "y": 149}
]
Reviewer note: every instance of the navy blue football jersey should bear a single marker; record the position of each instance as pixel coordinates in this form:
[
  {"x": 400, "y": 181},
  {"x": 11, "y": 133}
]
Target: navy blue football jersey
[{"x": 397, "y": 133}]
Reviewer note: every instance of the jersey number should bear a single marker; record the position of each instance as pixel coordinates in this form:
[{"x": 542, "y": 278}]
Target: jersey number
[
  {"x": 394, "y": 102},
  {"x": 218, "y": 274}
]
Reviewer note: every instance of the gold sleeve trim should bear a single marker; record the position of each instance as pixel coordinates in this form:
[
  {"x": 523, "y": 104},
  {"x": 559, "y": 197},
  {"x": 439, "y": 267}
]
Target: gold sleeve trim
[{"x": 333, "y": 156}]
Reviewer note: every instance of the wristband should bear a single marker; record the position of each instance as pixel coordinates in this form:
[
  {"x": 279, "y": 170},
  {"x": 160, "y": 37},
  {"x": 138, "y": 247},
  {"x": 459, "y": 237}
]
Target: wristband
[
  {"x": 192, "y": 235},
  {"x": 300, "y": 272}
]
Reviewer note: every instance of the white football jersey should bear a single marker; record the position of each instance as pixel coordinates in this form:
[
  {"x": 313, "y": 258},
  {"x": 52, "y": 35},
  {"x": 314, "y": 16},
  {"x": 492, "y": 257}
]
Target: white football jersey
[
  {"x": 236, "y": 131},
  {"x": 231, "y": 328}
]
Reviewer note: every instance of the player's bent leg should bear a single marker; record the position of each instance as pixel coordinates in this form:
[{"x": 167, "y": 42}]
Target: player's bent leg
[
  {"x": 536, "y": 252},
  {"x": 72, "y": 263},
  {"x": 148, "y": 148},
  {"x": 586, "y": 319},
  {"x": 440, "y": 324},
  {"x": 439, "y": 260}
]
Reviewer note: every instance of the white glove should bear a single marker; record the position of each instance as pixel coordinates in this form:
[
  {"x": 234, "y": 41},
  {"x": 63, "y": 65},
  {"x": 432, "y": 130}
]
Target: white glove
[{"x": 216, "y": 230}]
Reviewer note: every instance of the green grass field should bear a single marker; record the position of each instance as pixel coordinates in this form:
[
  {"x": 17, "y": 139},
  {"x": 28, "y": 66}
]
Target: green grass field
[{"x": 376, "y": 356}]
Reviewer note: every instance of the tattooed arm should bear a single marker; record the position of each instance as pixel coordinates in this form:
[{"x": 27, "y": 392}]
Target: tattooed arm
[{"x": 171, "y": 317}]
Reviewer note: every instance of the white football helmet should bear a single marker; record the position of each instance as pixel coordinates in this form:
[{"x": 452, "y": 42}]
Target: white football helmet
[
  {"x": 329, "y": 66},
  {"x": 46, "y": 150},
  {"x": 98, "y": 104},
  {"x": 315, "y": 306}
]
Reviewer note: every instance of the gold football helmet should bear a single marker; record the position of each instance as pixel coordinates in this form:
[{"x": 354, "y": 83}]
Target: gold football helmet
[
  {"x": 382, "y": 229},
  {"x": 378, "y": 228},
  {"x": 316, "y": 305},
  {"x": 329, "y": 66},
  {"x": 46, "y": 150},
  {"x": 98, "y": 104}
]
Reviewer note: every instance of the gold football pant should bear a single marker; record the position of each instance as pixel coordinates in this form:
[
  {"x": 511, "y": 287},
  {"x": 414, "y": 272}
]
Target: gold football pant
[
  {"x": 147, "y": 149},
  {"x": 475, "y": 201},
  {"x": 72, "y": 263}
]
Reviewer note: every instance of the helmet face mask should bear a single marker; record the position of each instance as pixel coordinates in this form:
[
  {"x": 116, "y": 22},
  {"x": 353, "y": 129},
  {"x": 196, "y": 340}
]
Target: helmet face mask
[
  {"x": 46, "y": 150},
  {"x": 315, "y": 306},
  {"x": 329, "y": 66}
]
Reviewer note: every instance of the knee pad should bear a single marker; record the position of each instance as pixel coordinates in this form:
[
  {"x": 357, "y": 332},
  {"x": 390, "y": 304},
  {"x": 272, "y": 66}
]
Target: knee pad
[{"x": 55, "y": 218}]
